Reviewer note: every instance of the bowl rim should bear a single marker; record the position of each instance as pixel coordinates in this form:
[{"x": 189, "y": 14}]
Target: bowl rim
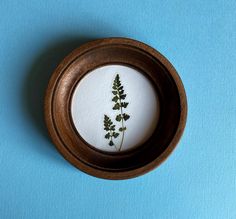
[{"x": 99, "y": 172}]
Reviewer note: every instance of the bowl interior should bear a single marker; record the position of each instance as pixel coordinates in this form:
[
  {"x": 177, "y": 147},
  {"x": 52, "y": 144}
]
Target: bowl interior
[
  {"x": 169, "y": 102},
  {"x": 112, "y": 117}
]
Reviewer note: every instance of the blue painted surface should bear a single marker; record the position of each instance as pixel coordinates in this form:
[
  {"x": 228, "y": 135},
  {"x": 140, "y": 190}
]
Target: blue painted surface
[{"x": 197, "y": 181}]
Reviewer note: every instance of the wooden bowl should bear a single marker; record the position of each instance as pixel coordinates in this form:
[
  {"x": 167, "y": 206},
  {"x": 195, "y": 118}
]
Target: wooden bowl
[{"x": 130, "y": 163}]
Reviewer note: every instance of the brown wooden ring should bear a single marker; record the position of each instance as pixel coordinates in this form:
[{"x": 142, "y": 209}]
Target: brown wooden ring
[{"x": 131, "y": 163}]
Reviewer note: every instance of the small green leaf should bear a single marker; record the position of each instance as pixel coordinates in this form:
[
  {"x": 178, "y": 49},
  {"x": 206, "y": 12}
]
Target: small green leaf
[
  {"x": 114, "y": 92},
  {"x": 122, "y": 129},
  {"x": 116, "y": 106},
  {"x": 121, "y": 92},
  {"x": 121, "y": 88},
  {"x": 115, "y": 134},
  {"x": 122, "y": 96},
  {"x": 118, "y": 118},
  {"x": 107, "y": 135},
  {"x": 126, "y": 116},
  {"x": 111, "y": 143},
  {"x": 115, "y": 99},
  {"x": 117, "y": 78},
  {"x": 124, "y": 104}
]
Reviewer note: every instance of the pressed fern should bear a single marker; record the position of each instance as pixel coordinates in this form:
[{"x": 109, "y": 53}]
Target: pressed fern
[
  {"x": 109, "y": 127},
  {"x": 119, "y": 104}
]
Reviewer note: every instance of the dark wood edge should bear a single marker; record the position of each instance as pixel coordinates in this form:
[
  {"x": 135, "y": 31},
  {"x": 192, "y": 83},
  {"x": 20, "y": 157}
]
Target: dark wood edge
[{"x": 102, "y": 173}]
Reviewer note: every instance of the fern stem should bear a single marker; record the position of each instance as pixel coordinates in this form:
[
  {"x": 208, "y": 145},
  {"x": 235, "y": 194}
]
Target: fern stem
[{"x": 122, "y": 124}]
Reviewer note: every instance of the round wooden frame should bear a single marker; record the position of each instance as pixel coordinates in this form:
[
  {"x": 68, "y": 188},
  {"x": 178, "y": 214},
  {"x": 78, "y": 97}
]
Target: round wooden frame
[{"x": 127, "y": 164}]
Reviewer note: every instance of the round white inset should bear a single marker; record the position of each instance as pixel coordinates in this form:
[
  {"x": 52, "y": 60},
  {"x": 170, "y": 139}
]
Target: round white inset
[{"x": 92, "y": 100}]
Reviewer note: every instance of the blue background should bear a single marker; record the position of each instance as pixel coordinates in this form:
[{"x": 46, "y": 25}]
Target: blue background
[{"x": 197, "y": 181}]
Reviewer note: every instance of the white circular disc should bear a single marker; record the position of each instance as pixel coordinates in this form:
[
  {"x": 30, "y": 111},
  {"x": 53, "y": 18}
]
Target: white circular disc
[{"x": 92, "y": 99}]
